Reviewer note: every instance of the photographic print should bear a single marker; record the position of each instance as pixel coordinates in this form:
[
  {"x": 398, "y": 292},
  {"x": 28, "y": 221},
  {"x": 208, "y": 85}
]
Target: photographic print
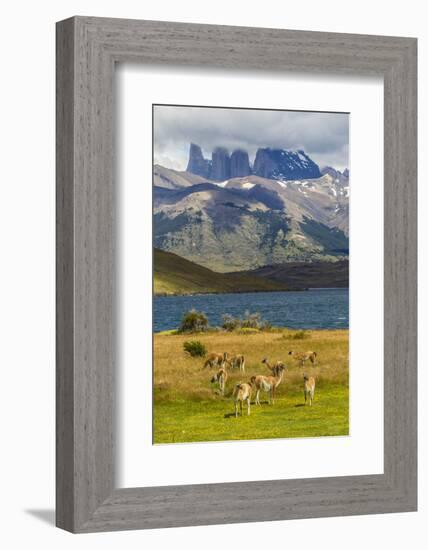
[{"x": 250, "y": 274}]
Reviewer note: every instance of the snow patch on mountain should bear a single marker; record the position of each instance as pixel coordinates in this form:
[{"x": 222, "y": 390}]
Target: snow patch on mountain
[{"x": 221, "y": 183}]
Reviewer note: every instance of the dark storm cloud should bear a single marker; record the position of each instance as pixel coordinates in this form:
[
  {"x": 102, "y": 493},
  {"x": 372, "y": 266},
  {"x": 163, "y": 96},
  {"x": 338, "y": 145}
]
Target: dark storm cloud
[{"x": 323, "y": 136}]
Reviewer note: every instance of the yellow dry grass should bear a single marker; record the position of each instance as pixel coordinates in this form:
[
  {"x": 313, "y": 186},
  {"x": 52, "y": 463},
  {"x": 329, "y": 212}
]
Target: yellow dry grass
[{"x": 177, "y": 376}]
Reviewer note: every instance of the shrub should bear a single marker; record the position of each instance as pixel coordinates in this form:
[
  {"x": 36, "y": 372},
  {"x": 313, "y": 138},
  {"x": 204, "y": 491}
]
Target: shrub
[
  {"x": 193, "y": 321},
  {"x": 266, "y": 326},
  {"x": 230, "y": 323},
  {"x": 299, "y": 335},
  {"x": 251, "y": 320},
  {"x": 195, "y": 348},
  {"x": 248, "y": 331}
]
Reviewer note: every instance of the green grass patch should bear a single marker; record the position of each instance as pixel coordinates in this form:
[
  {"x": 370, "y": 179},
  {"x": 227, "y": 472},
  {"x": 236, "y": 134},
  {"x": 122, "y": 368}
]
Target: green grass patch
[{"x": 191, "y": 421}]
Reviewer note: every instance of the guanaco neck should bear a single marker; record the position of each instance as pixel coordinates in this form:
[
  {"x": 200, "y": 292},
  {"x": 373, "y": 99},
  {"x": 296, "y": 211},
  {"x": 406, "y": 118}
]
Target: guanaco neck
[
  {"x": 270, "y": 367},
  {"x": 278, "y": 378}
]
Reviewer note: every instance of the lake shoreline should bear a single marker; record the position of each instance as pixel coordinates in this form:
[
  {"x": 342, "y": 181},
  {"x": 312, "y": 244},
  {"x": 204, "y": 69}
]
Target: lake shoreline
[
  {"x": 177, "y": 294},
  {"x": 313, "y": 309},
  {"x": 221, "y": 331}
]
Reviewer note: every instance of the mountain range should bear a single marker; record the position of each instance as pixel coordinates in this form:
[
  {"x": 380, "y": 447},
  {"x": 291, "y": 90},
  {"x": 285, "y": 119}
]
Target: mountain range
[
  {"x": 268, "y": 163},
  {"x": 227, "y": 215}
]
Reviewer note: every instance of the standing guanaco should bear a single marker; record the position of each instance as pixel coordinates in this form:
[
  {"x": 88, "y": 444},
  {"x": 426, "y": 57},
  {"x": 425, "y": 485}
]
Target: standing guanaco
[
  {"x": 242, "y": 392},
  {"x": 309, "y": 390},
  {"x": 273, "y": 368},
  {"x": 237, "y": 361},
  {"x": 215, "y": 360},
  {"x": 303, "y": 356},
  {"x": 221, "y": 378},
  {"x": 268, "y": 383}
]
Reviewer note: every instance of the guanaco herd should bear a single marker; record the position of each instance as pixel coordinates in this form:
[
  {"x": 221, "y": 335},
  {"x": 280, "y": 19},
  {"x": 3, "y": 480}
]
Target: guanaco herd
[{"x": 243, "y": 391}]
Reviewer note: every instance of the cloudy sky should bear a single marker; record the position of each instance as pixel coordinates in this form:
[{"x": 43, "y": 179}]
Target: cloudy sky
[{"x": 323, "y": 136}]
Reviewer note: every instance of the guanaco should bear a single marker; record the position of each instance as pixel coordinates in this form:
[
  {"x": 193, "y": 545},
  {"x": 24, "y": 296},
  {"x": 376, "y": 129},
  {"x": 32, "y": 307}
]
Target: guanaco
[
  {"x": 237, "y": 361},
  {"x": 215, "y": 360},
  {"x": 273, "y": 368},
  {"x": 221, "y": 378},
  {"x": 309, "y": 389},
  {"x": 242, "y": 392},
  {"x": 303, "y": 356},
  {"x": 268, "y": 383}
]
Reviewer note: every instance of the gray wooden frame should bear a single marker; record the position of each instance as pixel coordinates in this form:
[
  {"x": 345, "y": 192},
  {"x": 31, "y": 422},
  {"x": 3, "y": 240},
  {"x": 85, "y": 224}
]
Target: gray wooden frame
[{"x": 87, "y": 50}]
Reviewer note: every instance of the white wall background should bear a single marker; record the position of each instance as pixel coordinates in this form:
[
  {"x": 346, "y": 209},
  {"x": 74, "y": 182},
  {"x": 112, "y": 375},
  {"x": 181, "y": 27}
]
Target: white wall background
[{"x": 27, "y": 270}]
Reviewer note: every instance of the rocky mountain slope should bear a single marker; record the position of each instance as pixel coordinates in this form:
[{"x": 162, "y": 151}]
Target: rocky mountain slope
[
  {"x": 268, "y": 163},
  {"x": 248, "y": 222},
  {"x": 284, "y": 165}
]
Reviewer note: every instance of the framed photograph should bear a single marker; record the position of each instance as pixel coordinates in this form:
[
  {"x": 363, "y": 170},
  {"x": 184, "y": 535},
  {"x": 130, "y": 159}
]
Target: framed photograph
[
  {"x": 236, "y": 246},
  {"x": 236, "y": 274}
]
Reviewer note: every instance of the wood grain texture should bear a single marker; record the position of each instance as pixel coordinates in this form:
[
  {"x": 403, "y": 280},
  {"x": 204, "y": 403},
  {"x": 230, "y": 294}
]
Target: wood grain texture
[
  {"x": 64, "y": 277},
  {"x": 87, "y": 49}
]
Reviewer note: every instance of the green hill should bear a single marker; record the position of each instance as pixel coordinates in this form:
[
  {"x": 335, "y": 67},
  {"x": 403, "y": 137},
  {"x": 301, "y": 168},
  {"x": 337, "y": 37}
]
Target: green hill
[{"x": 175, "y": 275}]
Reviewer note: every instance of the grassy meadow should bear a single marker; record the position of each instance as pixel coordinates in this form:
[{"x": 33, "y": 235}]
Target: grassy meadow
[{"x": 187, "y": 407}]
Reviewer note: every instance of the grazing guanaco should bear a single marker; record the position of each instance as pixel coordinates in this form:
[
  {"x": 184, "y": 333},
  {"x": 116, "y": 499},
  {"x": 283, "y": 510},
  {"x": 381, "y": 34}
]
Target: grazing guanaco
[
  {"x": 221, "y": 378},
  {"x": 303, "y": 356},
  {"x": 242, "y": 392},
  {"x": 215, "y": 360},
  {"x": 273, "y": 368},
  {"x": 237, "y": 361},
  {"x": 268, "y": 383},
  {"x": 309, "y": 390}
]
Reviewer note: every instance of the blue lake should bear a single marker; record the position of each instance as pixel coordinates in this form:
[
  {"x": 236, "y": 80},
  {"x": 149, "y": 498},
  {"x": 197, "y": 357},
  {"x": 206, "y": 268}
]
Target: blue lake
[{"x": 310, "y": 309}]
